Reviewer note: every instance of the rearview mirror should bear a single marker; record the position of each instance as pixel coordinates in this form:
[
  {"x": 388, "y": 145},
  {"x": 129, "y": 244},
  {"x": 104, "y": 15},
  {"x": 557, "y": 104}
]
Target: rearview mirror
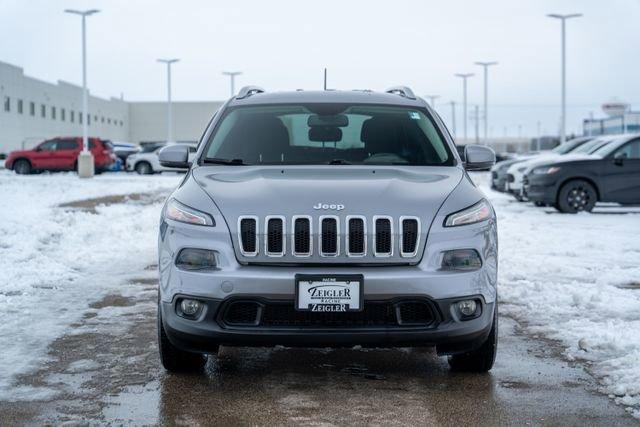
[
  {"x": 175, "y": 156},
  {"x": 479, "y": 157},
  {"x": 618, "y": 158}
]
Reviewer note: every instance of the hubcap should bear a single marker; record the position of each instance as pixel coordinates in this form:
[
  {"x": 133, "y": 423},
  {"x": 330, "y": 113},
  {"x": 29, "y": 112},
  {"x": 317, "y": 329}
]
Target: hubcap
[{"x": 578, "y": 198}]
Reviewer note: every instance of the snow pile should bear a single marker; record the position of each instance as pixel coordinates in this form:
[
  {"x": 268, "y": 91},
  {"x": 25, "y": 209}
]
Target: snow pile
[
  {"x": 54, "y": 261},
  {"x": 576, "y": 279}
]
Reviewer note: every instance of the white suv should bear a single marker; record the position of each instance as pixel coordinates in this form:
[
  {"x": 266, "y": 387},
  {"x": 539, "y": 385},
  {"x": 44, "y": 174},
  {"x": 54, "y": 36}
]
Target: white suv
[{"x": 146, "y": 162}]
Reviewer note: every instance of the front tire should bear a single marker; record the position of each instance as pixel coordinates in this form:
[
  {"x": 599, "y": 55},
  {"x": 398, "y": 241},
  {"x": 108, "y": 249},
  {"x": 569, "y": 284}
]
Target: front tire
[
  {"x": 173, "y": 359},
  {"x": 482, "y": 359},
  {"x": 577, "y": 196},
  {"x": 22, "y": 167},
  {"x": 144, "y": 168}
]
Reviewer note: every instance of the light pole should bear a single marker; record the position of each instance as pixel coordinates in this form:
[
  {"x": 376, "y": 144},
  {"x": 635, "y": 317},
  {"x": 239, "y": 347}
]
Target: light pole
[
  {"x": 453, "y": 117},
  {"x": 432, "y": 100},
  {"x": 169, "y": 112},
  {"x": 464, "y": 78},
  {"x": 86, "y": 168},
  {"x": 232, "y": 76},
  {"x": 563, "y": 119},
  {"x": 485, "y": 66}
]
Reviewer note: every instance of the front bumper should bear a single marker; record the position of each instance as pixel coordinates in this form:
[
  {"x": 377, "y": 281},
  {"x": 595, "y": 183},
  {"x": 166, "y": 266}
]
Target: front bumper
[
  {"x": 449, "y": 334},
  {"x": 540, "y": 188}
]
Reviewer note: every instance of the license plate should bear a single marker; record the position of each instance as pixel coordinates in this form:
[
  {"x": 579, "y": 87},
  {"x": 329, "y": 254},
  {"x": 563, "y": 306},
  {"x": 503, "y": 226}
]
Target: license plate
[{"x": 337, "y": 293}]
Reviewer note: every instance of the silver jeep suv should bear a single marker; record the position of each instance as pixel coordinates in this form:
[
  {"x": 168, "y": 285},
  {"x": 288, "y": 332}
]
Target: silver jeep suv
[{"x": 330, "y": 218}]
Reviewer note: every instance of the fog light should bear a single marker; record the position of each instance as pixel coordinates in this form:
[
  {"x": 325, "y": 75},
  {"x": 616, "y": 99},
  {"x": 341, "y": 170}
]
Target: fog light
[
  {"x": 196, "y": 259},
  {"x": 190, "y": 307},
  {"x": 461, "y": 259},
  {"x": 467, "y": 308}
]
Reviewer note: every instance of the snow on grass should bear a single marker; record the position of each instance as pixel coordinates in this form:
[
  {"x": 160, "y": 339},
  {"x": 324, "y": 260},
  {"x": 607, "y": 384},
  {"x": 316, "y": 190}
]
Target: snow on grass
[
  {"x": 54, "y": 261},
  {"x": 576, "y": 279}
]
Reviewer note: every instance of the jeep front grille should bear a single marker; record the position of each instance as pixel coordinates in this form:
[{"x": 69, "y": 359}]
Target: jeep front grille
[
  {"x": 248, "y": 229},
  {"x": 383, "y": 235},
  {"x": 381, "y": 242},
  {"x": 329, "y": 236}
]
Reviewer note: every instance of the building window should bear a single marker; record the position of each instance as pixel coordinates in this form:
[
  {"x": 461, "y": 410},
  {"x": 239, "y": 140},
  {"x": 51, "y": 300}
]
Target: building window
[
  {"x": 53, "y": 113},
  {"x": 71, "y": 115},
  {"x": 32, "y": 108},
  {"x": 7, "y": 104},
  {"x": 95, "y": 119},
  {"x": 62, "y": 114},
  {"x": 108, "y": 121},
  {"x": 20, "y": 106},
  {"x": 43, "y": 111},
  {"x": 80, "y": 117},
  {"x": 121, "y": 123}
]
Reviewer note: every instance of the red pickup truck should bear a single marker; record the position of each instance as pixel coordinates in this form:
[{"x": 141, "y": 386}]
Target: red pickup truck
[{"x": 60, "y": 154}]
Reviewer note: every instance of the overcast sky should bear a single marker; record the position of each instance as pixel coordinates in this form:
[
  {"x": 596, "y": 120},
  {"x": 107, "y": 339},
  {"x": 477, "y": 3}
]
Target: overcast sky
[{"x": 284, "y": 45}]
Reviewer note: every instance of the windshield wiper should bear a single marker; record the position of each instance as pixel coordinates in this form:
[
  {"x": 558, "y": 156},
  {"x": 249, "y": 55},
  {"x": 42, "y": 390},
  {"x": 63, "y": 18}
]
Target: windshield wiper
[
  {"x": 216, "y": 161},
  {"x": 339, "y": 162}
]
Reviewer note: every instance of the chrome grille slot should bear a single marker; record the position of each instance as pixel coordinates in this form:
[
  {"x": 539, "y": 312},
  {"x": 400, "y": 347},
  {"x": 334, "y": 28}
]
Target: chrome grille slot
[
  {"x": 377, "y": 239},
  {"x": 409, "y": 235},
  {"x": 248, "y": 234},
  {"x": 301, "y": 239},
  {"x": 274, "y": 240},
  {"x": 383, "y": 236},
  {"x": 329, "y": 236},
  {"x": 356, "y": 236}
]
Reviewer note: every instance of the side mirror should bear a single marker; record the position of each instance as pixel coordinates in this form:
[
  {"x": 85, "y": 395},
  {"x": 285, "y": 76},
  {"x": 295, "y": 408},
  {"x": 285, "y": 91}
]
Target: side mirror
[
  {"x": 175, "y": 156},
  {"x": 479, "y": 157},
  {"x": 618, "y": 158}
]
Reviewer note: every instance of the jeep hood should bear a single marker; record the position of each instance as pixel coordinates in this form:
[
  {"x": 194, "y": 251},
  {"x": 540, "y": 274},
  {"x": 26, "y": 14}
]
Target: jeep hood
[{"x": 295, "y": 190}]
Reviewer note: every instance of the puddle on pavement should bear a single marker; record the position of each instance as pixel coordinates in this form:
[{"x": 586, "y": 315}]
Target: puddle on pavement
[
  {"x": 630, "y": 285},
  {"x": 114, "y": 301},
  {"x": 90, "y": 205}
]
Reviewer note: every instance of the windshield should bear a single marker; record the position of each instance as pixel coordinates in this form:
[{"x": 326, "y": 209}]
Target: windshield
[
  {"x": 569, "y": 146},
  {"x": 591, "y": 146},
  {"x": 328, "y": 134},
  {"x": 150, "y": 148},
  {"x": 607, "y": 149}
]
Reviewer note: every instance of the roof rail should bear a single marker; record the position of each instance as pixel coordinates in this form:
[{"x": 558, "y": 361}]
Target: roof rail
[
  {"x": 247, "y": 91},
  {"x": 403, "y": 91}
]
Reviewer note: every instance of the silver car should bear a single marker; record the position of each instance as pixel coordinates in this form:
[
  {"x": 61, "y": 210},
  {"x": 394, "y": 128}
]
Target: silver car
[{"x": 330, "y": 218}]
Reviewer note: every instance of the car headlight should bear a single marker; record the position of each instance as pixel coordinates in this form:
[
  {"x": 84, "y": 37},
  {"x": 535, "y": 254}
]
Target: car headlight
[
  {"x": 481, "y": 211},
  {"x": 178, "y": 212},
  {"x": 545, "y": 170}
]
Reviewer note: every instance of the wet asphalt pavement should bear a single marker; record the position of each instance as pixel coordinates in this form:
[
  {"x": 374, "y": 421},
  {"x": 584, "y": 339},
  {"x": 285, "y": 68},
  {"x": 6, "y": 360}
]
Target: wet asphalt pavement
[{"x": 106, "y": 371}]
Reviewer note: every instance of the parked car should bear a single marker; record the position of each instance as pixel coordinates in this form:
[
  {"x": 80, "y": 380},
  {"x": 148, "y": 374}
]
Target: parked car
[
  {"x": 60, "y": 154},
  {"x": 124, "y": 150},
  {"x": 516, "y": 171},
  {"x": 327, "y": 218},
  {"x": 499, "y": 171},
  {"x": 610, "y": 174},
  {"x": 146, "y": 161}
]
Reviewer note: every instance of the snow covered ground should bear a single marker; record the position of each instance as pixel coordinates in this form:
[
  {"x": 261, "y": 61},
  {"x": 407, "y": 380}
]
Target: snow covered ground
[
  {"x": 54, "y": 261},
  {"x": 571, "y": 278},
  {"x": 576, "y": 279}
]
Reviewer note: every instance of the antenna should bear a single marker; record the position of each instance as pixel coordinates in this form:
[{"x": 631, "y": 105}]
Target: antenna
[{"x": 325, "y": 78}]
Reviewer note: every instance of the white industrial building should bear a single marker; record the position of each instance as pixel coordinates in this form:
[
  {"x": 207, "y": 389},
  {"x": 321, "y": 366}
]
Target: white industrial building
[{"x": 32, "y": 110}]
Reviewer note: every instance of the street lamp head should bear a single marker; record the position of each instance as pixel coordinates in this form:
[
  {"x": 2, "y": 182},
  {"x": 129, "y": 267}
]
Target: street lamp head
[
  {"x": 565, "y": 16},
  {"x": 168, "y": 61},
  {"x": 232, "y": 73},
  {"x": 486, "y": 64},
  {"x": 82, "y": 12},
  {"x": 464, "y": 76}
]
